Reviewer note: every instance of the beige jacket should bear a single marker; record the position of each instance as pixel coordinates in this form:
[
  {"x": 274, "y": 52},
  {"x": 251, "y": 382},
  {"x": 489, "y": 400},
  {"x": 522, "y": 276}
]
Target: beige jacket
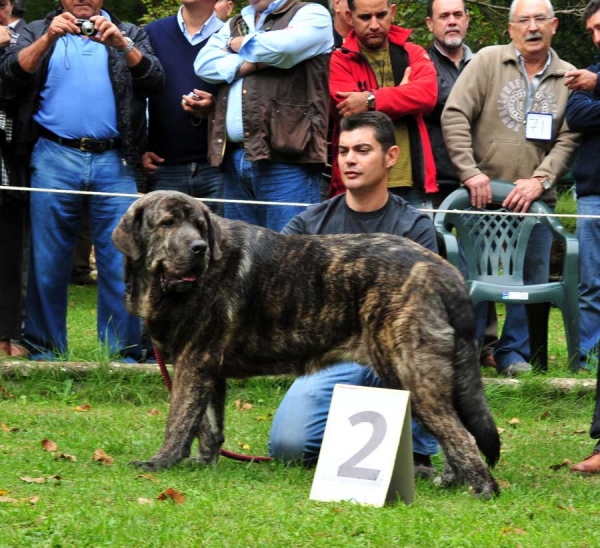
[{"x": 484, "y": 120}]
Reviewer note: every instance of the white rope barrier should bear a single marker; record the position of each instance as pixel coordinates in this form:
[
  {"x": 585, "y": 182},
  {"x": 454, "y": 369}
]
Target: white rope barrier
[{"x": 300, "y": 204}]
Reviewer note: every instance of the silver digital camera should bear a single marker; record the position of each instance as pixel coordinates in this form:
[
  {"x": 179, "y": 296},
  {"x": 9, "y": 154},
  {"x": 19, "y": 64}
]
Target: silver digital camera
[{"x": 87, "y": 27}]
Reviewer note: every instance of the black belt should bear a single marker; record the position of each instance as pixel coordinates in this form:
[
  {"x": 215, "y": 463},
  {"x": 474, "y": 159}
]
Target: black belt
[
  {"x": 235, "y": 145},
  {"x": 85, "y": 144}
]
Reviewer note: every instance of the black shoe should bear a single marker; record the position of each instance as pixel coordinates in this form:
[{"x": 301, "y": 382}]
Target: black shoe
[
  {"x": 83, "y": 279},
  {"x": 423, "y": 466}
]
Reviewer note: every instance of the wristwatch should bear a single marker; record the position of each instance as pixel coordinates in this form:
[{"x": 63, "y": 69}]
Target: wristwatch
[
  {"x": 130, "y": 45},
  {"x": 545, "y": 182},
  {"x": 371, "y": 101}
]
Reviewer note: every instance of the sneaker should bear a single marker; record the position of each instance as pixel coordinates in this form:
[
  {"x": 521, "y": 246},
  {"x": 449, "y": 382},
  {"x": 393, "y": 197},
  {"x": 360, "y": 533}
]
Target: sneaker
[
  {"x": 423, "y": 467},
  {"x": 514, "y": 369}
]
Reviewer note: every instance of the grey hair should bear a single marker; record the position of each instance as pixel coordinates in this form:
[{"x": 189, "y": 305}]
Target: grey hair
[{"x": 513, "y": 4}]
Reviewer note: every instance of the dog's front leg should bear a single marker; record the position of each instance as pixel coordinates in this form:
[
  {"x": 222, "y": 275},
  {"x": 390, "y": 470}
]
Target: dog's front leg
[
  {"x": 210, "y": 432},
  {"x": 193, "y": 386}
]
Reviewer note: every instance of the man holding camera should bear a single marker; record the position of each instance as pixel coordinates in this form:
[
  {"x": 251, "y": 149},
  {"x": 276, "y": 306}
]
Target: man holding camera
[{"x": 83, "y": 77}]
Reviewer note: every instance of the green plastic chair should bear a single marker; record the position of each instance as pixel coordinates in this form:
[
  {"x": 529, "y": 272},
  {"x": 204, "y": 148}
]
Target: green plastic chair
[{"x": 495, "y": 249}]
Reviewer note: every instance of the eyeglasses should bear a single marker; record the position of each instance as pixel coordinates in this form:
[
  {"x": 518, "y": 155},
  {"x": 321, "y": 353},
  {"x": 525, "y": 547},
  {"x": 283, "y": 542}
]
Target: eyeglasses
[{"x": 538, "y": 19}]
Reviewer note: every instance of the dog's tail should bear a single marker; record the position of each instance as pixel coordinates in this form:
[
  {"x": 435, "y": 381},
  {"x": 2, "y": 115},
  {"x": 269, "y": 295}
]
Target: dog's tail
[{"x": 469, "y": 399}]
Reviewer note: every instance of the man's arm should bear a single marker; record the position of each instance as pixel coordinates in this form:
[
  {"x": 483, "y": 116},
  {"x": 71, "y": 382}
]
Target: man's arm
[
  {"x": 423, "y": 233},
  {"x": 583, "y": 108}
]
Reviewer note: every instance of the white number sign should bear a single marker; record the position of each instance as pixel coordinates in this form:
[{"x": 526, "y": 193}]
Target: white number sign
[{"x": 366, "y": 456}]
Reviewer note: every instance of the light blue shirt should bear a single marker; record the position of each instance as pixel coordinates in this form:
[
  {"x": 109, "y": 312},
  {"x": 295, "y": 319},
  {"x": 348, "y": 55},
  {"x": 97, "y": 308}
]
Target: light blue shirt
[
  {"x": 77, "y": 99},
  {"x": 212, "y": 25},
  {"x": 310, "y": 33},
  {"x": 532, "y": 86}
]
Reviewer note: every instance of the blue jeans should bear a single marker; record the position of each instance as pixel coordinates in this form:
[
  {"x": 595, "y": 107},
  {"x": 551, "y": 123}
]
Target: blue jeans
[
  {"x": 55, "y": 220},
  {"x": 588, "y": 234},
  {"x": 199, "y": 180},
  {"x": 299, "y": 423},
  {"x": 513, "y": 345},
  {"x": 269, "y": 182}
]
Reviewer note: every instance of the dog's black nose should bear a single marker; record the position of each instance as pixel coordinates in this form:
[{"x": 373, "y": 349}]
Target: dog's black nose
[{"x": 198, "y": 246}]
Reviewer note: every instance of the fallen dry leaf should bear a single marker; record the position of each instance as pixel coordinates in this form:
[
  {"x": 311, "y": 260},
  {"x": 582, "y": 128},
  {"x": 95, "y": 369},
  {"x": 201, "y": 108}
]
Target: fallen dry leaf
[
  {"x": 9, "y": 428},
  {"x": 563, "y": 464},
  {"x": 503, "y": 483},
  {"x": 31, "y": 500},
  {"x": 515, "y": 530},
  {"x": 154, "y": 412},
  {"x": 3, "y": 492},
  {"x": 514, "y": 421},
  {"x": 500, "y": 430},
  {"x": 145, "y": 501},
  {"x": 173, "y": 494},
  {"x": 32, "y": 480},
  {"x": 567, "y": 508},
  {"x": 5, "y": 392},
  {"x": 7, "y": 499},
  {"x": 83, "y": 408},
  {"x": 264, "y": 417},
  {"x": 101, "y": 456},
  {"x": 147, "y": 476},
  {"x": 66, "y": 456},
  {"x": 243, "y": 445},
  {"x": 580, "y": 432},
  {"x": 545, "y": 414},
  {"x": 49, "y": 445},
  {"x": 243, "y": 406}
]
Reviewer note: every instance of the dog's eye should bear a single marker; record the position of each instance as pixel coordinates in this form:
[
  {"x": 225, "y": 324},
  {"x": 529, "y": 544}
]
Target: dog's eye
[{"x": 167, "y": 222}]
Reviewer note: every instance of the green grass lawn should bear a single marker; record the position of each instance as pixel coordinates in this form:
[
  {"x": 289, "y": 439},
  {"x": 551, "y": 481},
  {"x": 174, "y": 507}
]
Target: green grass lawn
[{"x": 88, "y": 503}]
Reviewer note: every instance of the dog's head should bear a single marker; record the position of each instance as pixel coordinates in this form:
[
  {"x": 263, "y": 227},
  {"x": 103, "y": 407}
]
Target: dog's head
[{"x": 169, "y": 240}]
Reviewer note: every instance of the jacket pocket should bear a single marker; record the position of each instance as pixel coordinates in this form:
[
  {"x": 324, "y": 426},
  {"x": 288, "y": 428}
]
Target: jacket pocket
[{"x": 290, "y": 127}]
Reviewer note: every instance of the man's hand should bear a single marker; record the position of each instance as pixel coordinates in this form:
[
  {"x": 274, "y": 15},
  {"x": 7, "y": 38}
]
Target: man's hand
[
  {"x": 525, "y": 192},
  {"x": 405, "y": 77},
  {"x": 581, "y": 80},
  {"x": 480, "y": 189},
  {"x": 108, "y": 33},
  {"x": 354, "y": 101},
  {"x": 199, "y": 106},
  {"x": 65, "y": 23},
  {"x": 150, "y": 161},
  {"x": 235, "y": 44}
]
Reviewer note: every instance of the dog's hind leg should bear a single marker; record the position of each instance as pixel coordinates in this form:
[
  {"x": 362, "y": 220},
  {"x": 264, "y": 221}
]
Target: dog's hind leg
[
  {"x": 210, "y": 432},
  {"x": 193, "y": 384}
]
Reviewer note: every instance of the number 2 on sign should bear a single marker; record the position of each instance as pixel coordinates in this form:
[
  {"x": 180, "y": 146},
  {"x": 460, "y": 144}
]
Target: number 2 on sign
[{"x": 349, "y": 469}]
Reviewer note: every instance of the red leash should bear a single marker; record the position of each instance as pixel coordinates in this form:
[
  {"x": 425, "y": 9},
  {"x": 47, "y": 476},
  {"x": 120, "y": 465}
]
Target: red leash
[{"x": 229, "y": 454}]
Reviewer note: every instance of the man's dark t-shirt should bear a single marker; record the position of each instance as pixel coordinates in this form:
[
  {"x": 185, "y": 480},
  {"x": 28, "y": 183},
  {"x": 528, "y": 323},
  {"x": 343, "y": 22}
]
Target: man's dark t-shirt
[{"x": 395, "y": 217}]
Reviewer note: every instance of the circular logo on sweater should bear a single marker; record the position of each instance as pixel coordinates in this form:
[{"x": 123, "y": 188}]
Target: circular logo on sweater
[{"x": 513, "y": 101}]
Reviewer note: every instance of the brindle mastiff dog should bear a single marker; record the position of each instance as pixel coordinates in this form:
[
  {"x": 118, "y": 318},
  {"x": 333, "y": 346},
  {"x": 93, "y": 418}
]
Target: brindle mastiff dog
[{"x": 227, "y": 299}]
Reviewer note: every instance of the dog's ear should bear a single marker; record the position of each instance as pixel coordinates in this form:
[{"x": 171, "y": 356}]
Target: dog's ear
[
  {"x": 127, "y": 236},
  {"x": 214, "y": 235}
]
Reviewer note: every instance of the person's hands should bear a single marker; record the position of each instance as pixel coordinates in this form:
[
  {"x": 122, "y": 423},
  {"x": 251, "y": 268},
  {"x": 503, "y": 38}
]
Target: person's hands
[
  {"x": 199, "y": 105},
  {"x": 480, "y": 190},
  {"x": 65, "y": 23},
  {"x": 354, "y": 101},
  {"x": 581, "y": 80},
  {"x": 5, "y": 37},
  {"x": 150, "y": 161},
  {"x": 108, "y": 33},
  {"x": 235, "y": 44},
  {"x": 405, "y": 76},
  {"x": 525, "y": 192}
]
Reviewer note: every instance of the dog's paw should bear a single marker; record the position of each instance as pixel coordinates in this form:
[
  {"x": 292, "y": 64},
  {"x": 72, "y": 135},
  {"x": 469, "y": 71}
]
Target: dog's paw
[{"x": 146, "y": 465}]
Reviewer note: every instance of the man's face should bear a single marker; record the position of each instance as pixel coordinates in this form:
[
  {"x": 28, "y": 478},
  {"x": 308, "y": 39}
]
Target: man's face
[
  {"x": 532, "y": 28},
  {"x": 5, "y": 9},
  {"x": 371, "y": 20},
  {"x": 82, "y": 9},
  {"x": 448, "y": 23},
  {"x": 260, "y": 5},
  {"x": 593, "y": 27},
  {"x": 363, "y": 163}
]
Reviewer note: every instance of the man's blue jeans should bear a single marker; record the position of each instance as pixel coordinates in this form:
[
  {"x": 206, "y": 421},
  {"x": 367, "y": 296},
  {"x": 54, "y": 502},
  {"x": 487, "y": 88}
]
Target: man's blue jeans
[
  {"x": 199, "y": 180},
  {"x": 55, "y": 220},
  {"x": 299, "y": 423},
  {"x": 269, "y": 182},
  {"x": 513, "y": 346},
  {"x": 588, "y": 234}
]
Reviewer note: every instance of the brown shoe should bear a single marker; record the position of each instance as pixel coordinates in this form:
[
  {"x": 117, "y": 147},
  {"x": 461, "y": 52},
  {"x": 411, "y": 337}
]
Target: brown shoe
[
  {"x": 591, "y": 465},
  {"x": 8, "y": 349}
]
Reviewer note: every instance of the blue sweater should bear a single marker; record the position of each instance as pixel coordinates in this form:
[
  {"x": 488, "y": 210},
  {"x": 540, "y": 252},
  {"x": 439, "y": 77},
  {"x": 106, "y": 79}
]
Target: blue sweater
[
  {"x": 171, "y": 131},
  {"x": 583, "y": 116}
]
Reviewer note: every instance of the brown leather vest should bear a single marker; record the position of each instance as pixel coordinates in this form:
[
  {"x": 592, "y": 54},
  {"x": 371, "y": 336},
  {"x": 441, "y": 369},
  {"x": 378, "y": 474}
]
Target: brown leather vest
[{"x": 285, "y": 112}]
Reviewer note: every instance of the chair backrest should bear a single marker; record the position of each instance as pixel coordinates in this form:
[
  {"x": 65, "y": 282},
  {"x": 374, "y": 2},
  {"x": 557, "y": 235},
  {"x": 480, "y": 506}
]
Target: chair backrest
[{"x": 494, "y": 244}]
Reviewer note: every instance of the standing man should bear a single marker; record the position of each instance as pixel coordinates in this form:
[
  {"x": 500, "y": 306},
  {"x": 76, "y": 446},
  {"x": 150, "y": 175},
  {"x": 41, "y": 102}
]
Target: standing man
[
  {"x": 177, "y": 156},
  {"x": 83, "y": 104},
  {"x": 269, "y": 128},
  {"x": 367, "y": 152},
  {"x": 583, "y": 115},
  {"x": 489, "y": 122},
  {"x": 378, "y": 69}
]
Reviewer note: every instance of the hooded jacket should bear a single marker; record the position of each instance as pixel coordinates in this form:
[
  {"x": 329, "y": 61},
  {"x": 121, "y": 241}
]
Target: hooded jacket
[{"x": 350, "y": 71}]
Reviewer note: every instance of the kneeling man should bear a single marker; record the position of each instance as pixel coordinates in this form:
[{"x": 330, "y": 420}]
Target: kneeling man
[{"x": 367, "y": 151}]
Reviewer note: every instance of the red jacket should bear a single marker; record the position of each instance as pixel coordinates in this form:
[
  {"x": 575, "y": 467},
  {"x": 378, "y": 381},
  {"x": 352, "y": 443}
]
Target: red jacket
[{"x": 350, "y": 71}]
